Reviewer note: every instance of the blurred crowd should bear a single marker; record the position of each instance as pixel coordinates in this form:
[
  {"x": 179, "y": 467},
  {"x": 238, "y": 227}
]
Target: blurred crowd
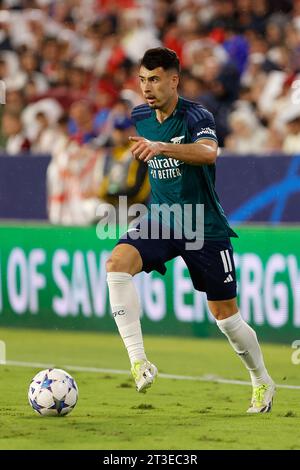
[{"x": 70, "y": 70}]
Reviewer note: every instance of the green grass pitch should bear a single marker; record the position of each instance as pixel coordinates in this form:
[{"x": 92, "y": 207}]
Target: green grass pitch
[{"x": 173, "y": 414}]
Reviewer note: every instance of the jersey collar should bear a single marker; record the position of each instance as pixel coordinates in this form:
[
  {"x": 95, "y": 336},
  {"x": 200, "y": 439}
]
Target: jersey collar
[{"x": 173, "y": 114}]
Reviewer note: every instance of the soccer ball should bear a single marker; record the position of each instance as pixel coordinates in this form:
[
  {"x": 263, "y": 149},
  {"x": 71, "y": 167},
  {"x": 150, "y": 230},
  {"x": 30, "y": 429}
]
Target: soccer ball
[{"x": 53, "y": 392}]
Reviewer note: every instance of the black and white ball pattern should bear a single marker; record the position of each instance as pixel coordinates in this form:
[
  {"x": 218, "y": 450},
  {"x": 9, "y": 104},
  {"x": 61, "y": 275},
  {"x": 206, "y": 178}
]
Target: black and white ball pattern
[{"x": 53, "y": 392}]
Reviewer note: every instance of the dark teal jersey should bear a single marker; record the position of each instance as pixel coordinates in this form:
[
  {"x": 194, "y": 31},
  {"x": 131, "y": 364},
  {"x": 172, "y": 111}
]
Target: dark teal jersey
[{"x": 176, "y": 182}]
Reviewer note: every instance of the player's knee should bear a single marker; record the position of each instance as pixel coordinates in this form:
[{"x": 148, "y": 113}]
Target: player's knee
[
  {"x": 123, "y": 261},
  {"x": 223, "y": 309},
  {"x": 115, "y": 264}
]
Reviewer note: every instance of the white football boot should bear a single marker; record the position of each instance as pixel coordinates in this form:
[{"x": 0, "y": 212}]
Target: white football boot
[
  {"x": 144, "y": 374},
  {"x": 262, "y": 398}
]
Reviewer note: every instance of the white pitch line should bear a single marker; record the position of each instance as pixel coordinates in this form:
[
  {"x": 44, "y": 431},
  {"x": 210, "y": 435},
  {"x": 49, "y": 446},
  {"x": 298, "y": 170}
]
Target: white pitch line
[{"x": 97, "y": 370}]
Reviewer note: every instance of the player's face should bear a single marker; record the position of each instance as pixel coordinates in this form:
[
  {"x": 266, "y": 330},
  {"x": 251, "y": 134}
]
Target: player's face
[{"x": 158, "y": 86}]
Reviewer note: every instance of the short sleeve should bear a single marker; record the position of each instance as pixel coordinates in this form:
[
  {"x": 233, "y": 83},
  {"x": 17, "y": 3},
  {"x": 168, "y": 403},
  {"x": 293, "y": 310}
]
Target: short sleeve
[{"x": 201, "y": 124}]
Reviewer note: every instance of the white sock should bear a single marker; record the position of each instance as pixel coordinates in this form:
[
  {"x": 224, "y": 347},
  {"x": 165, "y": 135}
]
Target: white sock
[
  {"x": 126, "y": 310},
  {"x": 243, "y": 339}
]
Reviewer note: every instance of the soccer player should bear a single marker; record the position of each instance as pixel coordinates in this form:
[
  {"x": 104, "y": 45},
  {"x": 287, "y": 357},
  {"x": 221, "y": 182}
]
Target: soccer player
[{"x": 181, "y": 174}]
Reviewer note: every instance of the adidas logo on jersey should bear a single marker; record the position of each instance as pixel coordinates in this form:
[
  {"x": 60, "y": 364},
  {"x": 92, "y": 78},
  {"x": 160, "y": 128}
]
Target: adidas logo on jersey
[{"x": 229, "y": 278}]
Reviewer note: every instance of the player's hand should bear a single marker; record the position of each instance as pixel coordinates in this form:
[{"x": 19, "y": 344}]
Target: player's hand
[{"x": 144, "y": 149}]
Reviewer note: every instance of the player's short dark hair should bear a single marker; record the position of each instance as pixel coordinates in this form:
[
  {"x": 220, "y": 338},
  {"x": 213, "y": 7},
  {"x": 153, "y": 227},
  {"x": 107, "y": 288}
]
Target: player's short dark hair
[{"x": 160, "y": 57}]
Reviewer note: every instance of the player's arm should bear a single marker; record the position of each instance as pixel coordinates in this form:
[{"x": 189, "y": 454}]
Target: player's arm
[{"x": 202, "y": 152}]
